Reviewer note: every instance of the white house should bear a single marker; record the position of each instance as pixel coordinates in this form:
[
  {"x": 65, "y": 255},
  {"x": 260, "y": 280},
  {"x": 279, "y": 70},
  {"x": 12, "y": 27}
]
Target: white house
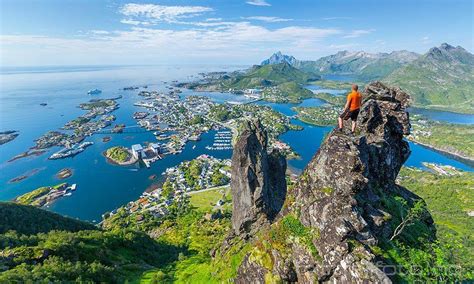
[{"x": 137, "y": 151}]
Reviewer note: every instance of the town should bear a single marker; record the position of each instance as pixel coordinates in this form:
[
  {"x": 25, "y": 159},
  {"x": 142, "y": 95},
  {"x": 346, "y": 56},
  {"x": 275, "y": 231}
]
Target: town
[{"x": 203, "y": 173}]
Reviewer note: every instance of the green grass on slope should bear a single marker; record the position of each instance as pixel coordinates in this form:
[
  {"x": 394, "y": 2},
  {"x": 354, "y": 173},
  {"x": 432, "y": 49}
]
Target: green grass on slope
[
  {"x": 269, "y": 75},
  {"x": 435, "y": 88},
  {"x": 449, "y": 200},
  {"x": 40, "y": 246},
  {"x": 197, "y": 237},
  {"x": 26, "y": 219}
]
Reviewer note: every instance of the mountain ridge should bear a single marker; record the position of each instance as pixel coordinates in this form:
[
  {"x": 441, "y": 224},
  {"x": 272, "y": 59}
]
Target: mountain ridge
[
  {"x": 442, "y": 78},
  {"x": 367, "y": 66}
]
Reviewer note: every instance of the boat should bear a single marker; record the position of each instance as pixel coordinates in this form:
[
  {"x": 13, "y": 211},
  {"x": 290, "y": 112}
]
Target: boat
[
  {"x": 194, "y": 147},
  {"x": 94, "y": 92}
]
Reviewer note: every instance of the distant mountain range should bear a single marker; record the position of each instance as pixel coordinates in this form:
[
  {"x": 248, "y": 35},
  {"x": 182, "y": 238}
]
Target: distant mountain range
[
  {"x": 443, "y": 78},
  {"x": 365, "y": 66}
]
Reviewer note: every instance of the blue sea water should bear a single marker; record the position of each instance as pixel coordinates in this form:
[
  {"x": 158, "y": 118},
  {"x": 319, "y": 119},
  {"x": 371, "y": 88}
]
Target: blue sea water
[{"x": 101, "y": 186}]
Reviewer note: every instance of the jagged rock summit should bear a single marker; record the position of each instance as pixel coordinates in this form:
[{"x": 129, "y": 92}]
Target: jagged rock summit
[
  {"x": 278, "y": 58},
  {"x": 259, "y": 180},
  {"x": 339, "y": 208}
]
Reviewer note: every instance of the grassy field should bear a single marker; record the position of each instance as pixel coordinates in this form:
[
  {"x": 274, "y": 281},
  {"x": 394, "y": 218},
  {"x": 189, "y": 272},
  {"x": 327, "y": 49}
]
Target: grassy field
[{"x": 206, "y": 200}]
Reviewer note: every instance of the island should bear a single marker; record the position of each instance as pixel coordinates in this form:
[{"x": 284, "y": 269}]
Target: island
[
  {"x": 25, "y": 175},
  {"x": 7, "y": 136},
  {"x": 120, "y": 156},
  {"x": 64, "y": 173},
  {"x": 45, "y": 195},
  {"x": 97, "y": 117}
]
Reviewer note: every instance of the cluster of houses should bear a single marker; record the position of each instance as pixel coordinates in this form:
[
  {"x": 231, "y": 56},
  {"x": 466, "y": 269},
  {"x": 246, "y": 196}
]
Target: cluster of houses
[
  {"x": 157, "y": 202},
  {"x": 253, "y": 93},
  {"x": 172, "y": 118},
  {"x": 208, "y": 164}
]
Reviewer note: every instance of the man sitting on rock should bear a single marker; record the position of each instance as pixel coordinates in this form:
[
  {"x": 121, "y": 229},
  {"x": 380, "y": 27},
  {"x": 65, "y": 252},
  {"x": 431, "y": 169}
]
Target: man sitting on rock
[{"x": 351, "y": 109}]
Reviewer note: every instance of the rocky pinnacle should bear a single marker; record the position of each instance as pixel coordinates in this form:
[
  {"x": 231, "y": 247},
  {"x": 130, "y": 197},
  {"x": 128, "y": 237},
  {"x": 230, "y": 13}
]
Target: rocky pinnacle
[
  {"x": 341, "y": 196},
  {"x": 258, "y": 183}
]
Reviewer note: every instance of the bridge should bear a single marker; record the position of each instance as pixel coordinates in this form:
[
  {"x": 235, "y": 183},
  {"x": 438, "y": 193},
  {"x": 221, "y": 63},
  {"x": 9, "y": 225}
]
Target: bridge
[{"x": 126, "y": 130}]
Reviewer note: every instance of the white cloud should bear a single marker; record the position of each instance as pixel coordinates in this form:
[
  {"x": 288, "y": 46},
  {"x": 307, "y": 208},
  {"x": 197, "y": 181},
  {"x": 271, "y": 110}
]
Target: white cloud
[
  {"x": 213, "y": 19},
  {"x": 268, "y": 19},
  {"x": 160, "y": 13},
  {"x": 426, "y": 40},
  {"x": 134, "y": 22},
  {"x": 336, "y": 18},
  {"x": 228, "y": 43},
  {"x": 99, "y": 32},
  {"x": 258, "y": 3},
  {"x": 358, "y": 33}
]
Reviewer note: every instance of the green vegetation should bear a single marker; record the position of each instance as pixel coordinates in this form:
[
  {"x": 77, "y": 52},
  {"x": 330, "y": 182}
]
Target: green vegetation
[
  {"x": 279, "y": 82},
  {"x": 416, "y": 250},
  {"x": 320, "y": 116},
  {"x": 39, "y": 246},
  {"x": 97, "y": 104},
  {"x": 206, "y": 200},
  {"x": 456, "y": 139},
  {"x": 270, "y": 75},
  {"x": 275, "y": 122},
  {"x": 197, "y": 237},
  {"x": 24, "y": 220},
  {"x": 332, "y": 99},
  {"x": 288, "y": 92},
  {"x": 449, "y": 199},
  {"x": 337, "y": 85},
  {"x": 440, "y": 79},
  {"x": 34, "y": 197},
  {"x": 197, "y": 119},
  {"x": 118, "y": 154}
]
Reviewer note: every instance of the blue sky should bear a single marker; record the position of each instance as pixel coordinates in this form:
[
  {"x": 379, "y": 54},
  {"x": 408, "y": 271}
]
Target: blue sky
[{"x": 82, "y": 32}]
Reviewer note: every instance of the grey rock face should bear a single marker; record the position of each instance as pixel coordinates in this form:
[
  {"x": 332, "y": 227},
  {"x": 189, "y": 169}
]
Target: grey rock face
[
  {"x": 258, "y": 180},
  {"x": 339, "y": 197},
  {"x": 278, "y": 58}
]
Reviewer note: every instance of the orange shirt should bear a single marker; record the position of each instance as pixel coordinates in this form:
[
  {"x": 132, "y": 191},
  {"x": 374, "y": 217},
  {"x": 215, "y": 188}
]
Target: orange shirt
[{"x": 354, "y": 98}]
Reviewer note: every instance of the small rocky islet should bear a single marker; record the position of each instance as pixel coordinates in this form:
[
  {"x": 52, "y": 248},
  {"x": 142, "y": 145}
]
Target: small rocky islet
[{"x": 64, "y": 173}]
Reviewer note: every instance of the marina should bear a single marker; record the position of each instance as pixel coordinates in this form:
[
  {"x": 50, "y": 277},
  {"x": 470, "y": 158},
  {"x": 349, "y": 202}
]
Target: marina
[{"x": 222, "y": 141}]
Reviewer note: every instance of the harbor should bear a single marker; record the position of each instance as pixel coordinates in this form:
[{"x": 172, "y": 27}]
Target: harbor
[{"x": 222, "y": 141}]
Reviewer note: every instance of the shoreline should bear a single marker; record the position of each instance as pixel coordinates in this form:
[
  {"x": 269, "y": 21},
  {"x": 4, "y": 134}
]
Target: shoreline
[
  {"x": 131, "y": 161},
  {"x": 466, "y": 160}
]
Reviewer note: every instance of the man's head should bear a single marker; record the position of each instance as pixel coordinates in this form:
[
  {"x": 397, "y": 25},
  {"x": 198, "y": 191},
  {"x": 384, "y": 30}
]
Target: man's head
[{"x": 355, "y": 87}]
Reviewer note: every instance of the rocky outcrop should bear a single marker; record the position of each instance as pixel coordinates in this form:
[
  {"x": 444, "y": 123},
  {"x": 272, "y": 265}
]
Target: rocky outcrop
[
  {"x": 340, "y": 205},
  {"x": 258, "y": 183}
]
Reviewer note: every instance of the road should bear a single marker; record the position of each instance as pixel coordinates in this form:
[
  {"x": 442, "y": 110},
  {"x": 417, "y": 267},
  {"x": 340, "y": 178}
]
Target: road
[{"x": 207, "y": 189}]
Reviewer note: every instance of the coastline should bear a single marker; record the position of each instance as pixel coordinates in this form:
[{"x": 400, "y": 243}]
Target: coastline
[
  {"x": 467, "y": 160},
  {"x": 131, "y": 161}
]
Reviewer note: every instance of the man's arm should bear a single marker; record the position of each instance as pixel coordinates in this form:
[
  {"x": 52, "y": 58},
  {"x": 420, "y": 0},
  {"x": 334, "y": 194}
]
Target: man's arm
[{"x": 348, "y": 103}]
